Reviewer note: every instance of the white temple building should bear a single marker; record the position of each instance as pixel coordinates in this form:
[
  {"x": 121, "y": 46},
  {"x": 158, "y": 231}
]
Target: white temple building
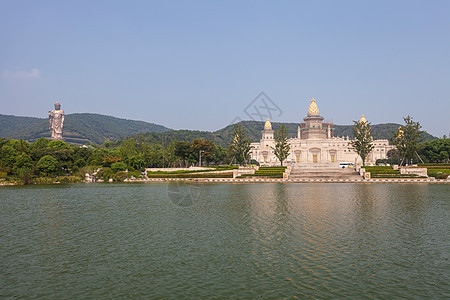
[{"x": 314, "y": 144}]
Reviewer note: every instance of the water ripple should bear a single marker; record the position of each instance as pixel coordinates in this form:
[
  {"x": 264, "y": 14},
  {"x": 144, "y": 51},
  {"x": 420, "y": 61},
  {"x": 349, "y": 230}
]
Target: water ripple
[{"x": 234, "y": 241}]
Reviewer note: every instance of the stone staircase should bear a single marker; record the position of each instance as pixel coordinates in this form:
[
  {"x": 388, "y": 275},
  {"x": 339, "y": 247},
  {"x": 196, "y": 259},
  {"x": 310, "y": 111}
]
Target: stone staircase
[{"x": 323, "y": 171}]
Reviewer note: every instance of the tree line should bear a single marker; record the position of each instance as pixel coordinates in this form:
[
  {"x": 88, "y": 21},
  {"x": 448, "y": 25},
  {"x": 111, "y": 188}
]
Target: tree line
[
  {"x": 408, "y": 141},
  {"x": 23, "y": 161}
]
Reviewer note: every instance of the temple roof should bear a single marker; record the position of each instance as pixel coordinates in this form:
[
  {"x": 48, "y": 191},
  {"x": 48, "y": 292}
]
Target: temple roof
[
  {"x": 362, "y": 120},
  {"x": 313, "y": 110},
  {"x": 268, "y": 125}
]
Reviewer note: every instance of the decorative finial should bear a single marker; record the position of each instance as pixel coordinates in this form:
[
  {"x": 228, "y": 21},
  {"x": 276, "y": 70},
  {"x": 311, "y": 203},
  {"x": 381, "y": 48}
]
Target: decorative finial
[
  {"x": 363, "y": 119},
  {"x": 313, "y": 110},
  {"x": 268, "y": 125}
]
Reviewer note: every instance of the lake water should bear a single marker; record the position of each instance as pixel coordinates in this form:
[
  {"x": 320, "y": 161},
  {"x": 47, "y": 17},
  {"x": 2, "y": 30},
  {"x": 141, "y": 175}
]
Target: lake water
[{"x": 241, "y": 241}]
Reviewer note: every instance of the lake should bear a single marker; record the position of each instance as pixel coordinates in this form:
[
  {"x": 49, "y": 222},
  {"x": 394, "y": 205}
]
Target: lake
[{"x": 241, "y": 241}]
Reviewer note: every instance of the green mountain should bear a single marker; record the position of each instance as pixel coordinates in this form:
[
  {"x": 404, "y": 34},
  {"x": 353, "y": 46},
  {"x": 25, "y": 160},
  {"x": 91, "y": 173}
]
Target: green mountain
[
  {"x": 79, "y": 128},
  {"x": 84, "y": 128},
  {"x": 11, "y": 125}
]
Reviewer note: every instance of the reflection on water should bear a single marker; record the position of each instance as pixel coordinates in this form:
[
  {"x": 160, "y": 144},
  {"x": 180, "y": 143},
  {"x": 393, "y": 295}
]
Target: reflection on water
[{"x": 232, "y": 240}]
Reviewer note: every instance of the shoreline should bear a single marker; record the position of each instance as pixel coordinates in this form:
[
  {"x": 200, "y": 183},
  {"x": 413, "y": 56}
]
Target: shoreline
[
  {"x": 266, "y": 180},
  {"x": 281, "y": 180}
]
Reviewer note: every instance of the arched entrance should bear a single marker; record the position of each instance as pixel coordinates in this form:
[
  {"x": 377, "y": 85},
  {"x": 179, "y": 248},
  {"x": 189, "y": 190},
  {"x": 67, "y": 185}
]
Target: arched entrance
[
  {"x": 333, "y": 155},
  {"x": 297, "y": 156},
  {"x": 314, "y": 155}
]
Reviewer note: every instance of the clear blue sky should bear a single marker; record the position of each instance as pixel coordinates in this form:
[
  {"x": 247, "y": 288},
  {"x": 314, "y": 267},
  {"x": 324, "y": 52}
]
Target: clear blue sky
[{"x": 198, "y": 64}]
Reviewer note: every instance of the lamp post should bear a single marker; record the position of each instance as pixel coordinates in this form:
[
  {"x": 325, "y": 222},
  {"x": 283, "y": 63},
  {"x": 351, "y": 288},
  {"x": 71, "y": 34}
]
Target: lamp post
[{"x": 200, "y": 155}]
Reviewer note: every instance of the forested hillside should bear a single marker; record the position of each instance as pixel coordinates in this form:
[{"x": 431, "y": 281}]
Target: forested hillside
[
  {"x": 82, "y": 128},
  {"x": 223, "y": 136},
  {"x": 79, "y": 128}
]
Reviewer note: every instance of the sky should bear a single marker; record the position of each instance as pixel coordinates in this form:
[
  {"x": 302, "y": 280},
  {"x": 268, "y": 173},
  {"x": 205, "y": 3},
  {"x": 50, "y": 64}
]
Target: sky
[{"x": 202, "y": 65}]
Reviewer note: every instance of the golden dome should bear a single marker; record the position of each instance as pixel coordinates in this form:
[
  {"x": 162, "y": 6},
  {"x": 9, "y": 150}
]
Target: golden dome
[
  {"x": 313, "y": 110},
  {"x": 268, "y": 125},
  {"x": 362, "y": 120}
]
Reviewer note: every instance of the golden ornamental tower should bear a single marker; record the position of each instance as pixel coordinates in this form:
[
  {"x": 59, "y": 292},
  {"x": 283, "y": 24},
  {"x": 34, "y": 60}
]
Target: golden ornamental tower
[
  {"x": 267, "y": 133},
  {"x": 314, "y": 127},
  {"x": 363, "y": 119},
  {"x": 313, "y": 110},
  {"x": 268, "y": 125}
]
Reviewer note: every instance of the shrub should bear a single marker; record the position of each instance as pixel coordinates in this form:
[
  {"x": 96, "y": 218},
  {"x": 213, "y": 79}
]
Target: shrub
[
  {"x": 68, "y": 179},
  {"x": 43, "y": 180},
  {"x": 105, "y": 174},
  {"x": 439, "y": 173},
  {"x": 25, "y": 175},
  {"x": 120, "y": 176}
]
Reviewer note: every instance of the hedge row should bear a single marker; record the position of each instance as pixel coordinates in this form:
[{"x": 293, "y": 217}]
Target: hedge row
[
  {"x": 437, "y": 167},
  {"x": 434, "y": 164},
  {"x": 395, "y": 176},
  {"x": 211, "y": 175},
  {"x": 212, "y": 168},
  {"x": 273, "y": 168},
  {"x": 269, "y": 175},
  {"x": 223, "y": 168},
  {"x": 381, "y": 170},
  {"x": 267, "y": 171}
]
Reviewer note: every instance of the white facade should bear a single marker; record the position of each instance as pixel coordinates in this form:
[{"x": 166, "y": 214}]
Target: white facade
[{"x": 314, "y": 144}]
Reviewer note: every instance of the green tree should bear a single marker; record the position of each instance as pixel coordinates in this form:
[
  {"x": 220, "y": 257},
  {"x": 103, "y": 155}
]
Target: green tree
[
  {"x": 108, "y": 160},
  {"x": 183, "y": 151},
  {"x": 240, "y": 147},
  {"x": 40, "y": 143},
  {"x": 23, "y": 161},
  {"x": 153, "y": 156},
  {"x": 59, "y": 145},
  {"x": 23, "y": 167},
  {"x": 8, "y": 155},
  {"x": 220, "y": 156},
  {"x": 48, "y": 165},
  {"x": 127, "y": 149},
  {"x": 206, "y": 147},
  {"x": 137, "y": 162},
  {"x": 282, "y": 148},
  {"x": 97, "y": 157},
  {"x": 80, "y": 162},
  {"x": 436, "y": 150},
  {"x": 119, "y": 166},
  {"x": 22, "y": 147},
  {"x": 408, "y": 138},
  {"x": 363, "y": 141},
  {"x": 81, "y": 152}
]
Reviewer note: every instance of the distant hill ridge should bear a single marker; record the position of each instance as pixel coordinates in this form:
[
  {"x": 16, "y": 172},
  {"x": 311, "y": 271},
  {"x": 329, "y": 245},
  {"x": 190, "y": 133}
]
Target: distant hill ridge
[{"x": 81, "y": 128}]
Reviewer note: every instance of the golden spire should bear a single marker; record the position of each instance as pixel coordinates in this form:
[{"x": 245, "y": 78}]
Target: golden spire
[
  {"x": 362, "y": 120},
  {"x": 268, "y": 125},
  {"x": 400, "y": 132},
  {"x": 313, "y": 110}
]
